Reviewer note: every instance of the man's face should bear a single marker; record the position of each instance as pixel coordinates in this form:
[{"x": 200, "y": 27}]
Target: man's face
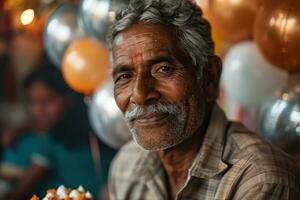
[{"x": 156, "y": 87}]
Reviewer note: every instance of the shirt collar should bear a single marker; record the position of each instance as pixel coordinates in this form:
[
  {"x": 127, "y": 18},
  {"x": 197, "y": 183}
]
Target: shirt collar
[{"x": 209, "y": 162}]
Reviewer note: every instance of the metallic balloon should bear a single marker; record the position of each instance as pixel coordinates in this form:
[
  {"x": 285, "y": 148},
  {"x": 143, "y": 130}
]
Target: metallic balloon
[
  {"x": 61, "y": 29},
  {"x": 233, "y": 19},
  {"x": 97, "y": 16},
  {"x": 248, "y": 78},
  {"x": 106, "y": 118},
  {"x": 277, "y": 30},
  {"x": 280, "y": 120}
]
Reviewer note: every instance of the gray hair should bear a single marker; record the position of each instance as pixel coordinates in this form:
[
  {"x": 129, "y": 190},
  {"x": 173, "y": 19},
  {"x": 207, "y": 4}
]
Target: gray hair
[{"x": 192, "y": 30}]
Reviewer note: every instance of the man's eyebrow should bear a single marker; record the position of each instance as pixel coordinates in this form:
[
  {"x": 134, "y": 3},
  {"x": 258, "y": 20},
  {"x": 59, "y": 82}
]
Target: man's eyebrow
[
  {"x": 166, "y": 58},
  {"x": 118, "y": 69}
]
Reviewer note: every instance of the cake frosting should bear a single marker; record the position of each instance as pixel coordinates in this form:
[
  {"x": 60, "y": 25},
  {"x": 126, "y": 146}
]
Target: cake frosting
[{"x": 63, "y": 193}]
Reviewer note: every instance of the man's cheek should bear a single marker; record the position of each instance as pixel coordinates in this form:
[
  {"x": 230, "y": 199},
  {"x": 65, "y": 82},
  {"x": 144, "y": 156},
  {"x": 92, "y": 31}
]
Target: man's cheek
[
  {"x": 122, "y": 99},
  {"x": 175, "y": 94}
]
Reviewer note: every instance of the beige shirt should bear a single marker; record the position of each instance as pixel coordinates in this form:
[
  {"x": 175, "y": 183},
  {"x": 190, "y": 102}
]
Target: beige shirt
[{"x": 232, "y": 163}]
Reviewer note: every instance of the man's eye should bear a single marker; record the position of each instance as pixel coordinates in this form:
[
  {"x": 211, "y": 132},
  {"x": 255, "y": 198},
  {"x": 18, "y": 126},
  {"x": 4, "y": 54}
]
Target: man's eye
[
  {"x": 123, "y": 77},
  {"x": 165, "y": 69}
]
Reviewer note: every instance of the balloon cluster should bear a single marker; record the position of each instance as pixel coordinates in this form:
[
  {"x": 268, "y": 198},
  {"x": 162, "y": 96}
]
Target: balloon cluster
[
  {"x": 274, "y": 26},
  {"x": 277, "y": 34},
  {"x": 74, "y": 40},
  {"x": 263, "y": 59}
]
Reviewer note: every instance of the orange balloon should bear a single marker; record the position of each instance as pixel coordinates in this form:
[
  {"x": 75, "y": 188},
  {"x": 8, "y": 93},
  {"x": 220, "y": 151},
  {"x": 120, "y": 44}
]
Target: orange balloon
[
  {"x": 219, "y": 43},
  {"x": 85, "y": 65},
  {"x": 218, "y": 40},
  {"x": 277, "y": 32},
  {"x": 233, "y": 19}
]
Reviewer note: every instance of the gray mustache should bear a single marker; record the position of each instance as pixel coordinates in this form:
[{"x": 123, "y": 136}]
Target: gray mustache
[{"x": 137, "y": 111}]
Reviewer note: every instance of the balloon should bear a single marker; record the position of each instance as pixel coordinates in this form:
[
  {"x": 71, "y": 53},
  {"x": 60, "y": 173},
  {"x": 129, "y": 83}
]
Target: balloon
[
  {"x": 218, "y": 41},
  {"x": 248, "y": 78},
  {"x": 106, "y": 118},
  {"x": 97, "y": 16},
  {"x": 86, "y": 65},
  {"x": 277, "y": 30},
  {"x": 233, "y": 19},
  {"x": 61, "y": 29},
  {"x": 280, "y": 120}
]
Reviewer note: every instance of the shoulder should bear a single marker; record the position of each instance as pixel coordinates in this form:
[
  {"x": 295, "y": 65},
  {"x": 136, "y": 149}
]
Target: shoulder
[
  {"x": 258, "y": 160},
  {"x": 128, "y": 162},
  {"x": 128, "y": 171},
  {"x": 252, "y": 147}
]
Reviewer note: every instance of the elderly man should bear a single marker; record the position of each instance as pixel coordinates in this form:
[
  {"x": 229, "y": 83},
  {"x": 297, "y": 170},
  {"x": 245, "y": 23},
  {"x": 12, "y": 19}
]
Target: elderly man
[{"x": 166, "y": 80}]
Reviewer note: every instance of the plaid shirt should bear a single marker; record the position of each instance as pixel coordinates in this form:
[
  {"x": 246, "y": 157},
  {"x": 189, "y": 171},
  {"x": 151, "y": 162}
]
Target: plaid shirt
[{"x": 232, "y": 163}]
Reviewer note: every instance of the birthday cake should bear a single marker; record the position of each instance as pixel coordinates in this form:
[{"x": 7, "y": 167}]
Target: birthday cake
[{"x": 63, "y": 193}]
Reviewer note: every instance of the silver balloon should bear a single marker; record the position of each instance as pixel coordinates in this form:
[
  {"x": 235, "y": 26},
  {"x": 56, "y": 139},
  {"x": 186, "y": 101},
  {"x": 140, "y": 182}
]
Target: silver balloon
[
  {"x": 61, "y": 29},
  {"x": 106, "y": 118},
  {"x": 280, "y": 121},
  {"x": 97, "y": 16}
]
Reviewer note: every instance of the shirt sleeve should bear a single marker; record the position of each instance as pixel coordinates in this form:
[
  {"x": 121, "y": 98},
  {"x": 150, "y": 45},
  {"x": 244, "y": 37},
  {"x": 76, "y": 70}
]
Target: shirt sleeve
[{"x": 268, "y": 191}]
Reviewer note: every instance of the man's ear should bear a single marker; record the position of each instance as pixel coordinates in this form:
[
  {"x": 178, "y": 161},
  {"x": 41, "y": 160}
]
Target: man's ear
[{"x": 212, "y": 78}]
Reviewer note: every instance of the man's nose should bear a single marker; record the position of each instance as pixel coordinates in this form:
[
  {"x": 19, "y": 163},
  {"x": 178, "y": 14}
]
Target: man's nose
[{"x": 144, "y": 90}]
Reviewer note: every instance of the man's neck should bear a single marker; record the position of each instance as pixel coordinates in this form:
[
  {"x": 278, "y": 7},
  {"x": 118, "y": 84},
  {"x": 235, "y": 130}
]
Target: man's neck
[{"x": 178, "y": 160}]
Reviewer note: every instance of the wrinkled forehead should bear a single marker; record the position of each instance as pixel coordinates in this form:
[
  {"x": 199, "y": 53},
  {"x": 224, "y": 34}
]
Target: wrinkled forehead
[{"x": 143, "y": 38}]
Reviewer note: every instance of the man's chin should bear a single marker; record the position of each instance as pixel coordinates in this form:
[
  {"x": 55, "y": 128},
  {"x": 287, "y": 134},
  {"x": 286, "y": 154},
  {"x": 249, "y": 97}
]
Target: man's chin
[
  {"x": 151, "y": 146},
  {"x": 155, "y": 140}
]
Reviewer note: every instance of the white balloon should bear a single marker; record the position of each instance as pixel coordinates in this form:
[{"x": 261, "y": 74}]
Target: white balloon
[
  {"x": 106, "y": 118},
  {"x": 248, "y": 78}
]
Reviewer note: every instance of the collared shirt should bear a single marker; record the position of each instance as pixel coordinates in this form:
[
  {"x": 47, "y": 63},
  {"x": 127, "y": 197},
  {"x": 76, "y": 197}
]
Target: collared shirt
[{"x": 232, "y": 163}]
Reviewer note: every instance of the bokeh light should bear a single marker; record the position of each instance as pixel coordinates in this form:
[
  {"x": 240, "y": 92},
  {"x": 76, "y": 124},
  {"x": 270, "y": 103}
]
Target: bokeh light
[{"x": 27, "y": 16}]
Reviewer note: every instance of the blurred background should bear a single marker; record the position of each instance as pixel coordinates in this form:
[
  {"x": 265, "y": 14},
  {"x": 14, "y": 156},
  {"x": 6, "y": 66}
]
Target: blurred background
[{"x": 57, "y": 110}]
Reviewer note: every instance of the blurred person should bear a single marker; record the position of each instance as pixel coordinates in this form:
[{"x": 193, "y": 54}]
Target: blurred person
[
  {"x": 54, "y": 148},
  {"x": 166, "y": 82}
]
